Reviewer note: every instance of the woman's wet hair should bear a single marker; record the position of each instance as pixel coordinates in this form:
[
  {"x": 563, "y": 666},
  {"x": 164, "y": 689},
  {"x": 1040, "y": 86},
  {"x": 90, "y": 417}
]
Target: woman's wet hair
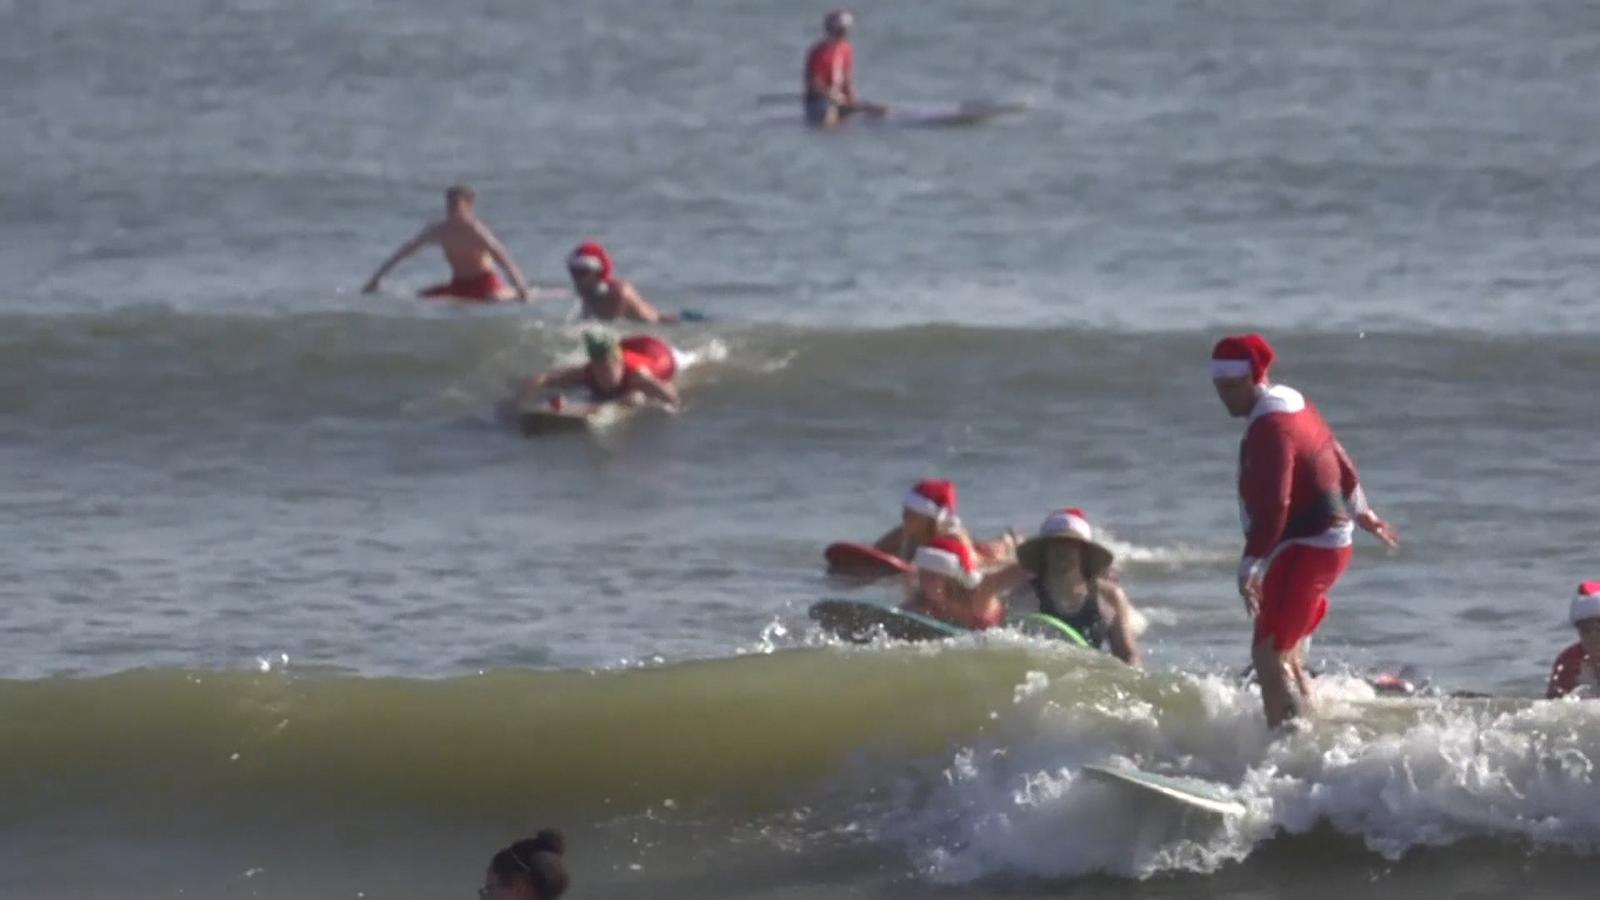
[{"x": 535, "y": 861}]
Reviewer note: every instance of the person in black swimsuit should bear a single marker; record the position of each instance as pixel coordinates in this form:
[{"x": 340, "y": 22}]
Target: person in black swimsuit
[{"x": 1071, "y": 580}]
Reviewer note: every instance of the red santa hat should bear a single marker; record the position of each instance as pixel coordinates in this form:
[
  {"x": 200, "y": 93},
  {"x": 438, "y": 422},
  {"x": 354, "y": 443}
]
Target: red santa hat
[
  {"x": 948, "y": 557},
  {"x": 1070, "y": 524},
  {"x": 1586, "y": 603},
  {"x": 933, "y": 498},
  {"x": 1242, "y": 355},
  {"x": 590, "y": 256}
]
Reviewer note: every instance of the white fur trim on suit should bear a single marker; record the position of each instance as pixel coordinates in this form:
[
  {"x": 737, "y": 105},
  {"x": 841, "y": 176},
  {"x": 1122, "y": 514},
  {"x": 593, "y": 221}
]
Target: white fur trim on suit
[
  {"x": 1278, "y": 399},
  {"x": 1584, "y": 606},
  {"x": 1230, "y": 368},
  {"x": 943, "y": 562}
]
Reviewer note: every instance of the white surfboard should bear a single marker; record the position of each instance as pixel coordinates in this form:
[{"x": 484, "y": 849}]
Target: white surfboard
[{"x": 1189, "y": 792}]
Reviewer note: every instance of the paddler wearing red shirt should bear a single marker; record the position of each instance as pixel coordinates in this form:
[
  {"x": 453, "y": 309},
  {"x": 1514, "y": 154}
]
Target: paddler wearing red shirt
[
  {"x": 604, "y": 296},
  {"x": 1577, "y": 670},
  {"x": 632, "y": 371},
  {"x": 469, "y": 247},
  {"x": 1299, "y": 500},
  {"x": 830, "y": 91}
]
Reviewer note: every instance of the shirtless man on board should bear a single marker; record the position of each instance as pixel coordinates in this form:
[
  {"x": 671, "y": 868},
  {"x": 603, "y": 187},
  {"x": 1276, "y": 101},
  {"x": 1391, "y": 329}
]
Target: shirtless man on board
[{"x": 469, "y": 247}]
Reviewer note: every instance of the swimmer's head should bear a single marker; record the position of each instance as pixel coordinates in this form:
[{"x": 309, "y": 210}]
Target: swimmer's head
[
  {"x": 1585, "y": 616},
  {"x": 589, "y": 263},
  {"x": 599, "y": 346},
  {"x": 838, "y": 23},
  {"x": 530, "y": 869},
  {"x": 459, "y": 197}
]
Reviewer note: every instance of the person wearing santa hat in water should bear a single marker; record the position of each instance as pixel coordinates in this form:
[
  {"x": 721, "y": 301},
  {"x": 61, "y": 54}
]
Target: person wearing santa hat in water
[
  {"x": 1070, "y": 574},
  {"x": 1299, "y": 498},
  {"x": 928, "y": 511},
  {"x": 630, "y": 371},
  {"x": 606, "y": 297},
  {"x": 948, "y": 586},
  {"x": 1577, "y": 670}
]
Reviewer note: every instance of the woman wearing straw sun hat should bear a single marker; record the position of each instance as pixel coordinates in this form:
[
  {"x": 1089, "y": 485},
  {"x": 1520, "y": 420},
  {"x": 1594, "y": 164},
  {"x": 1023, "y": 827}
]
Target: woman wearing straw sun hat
[{"x": 1070, "y": 576}]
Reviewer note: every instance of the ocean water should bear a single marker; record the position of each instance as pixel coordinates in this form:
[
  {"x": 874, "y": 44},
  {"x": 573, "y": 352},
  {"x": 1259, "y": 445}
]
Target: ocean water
[{"x": 286, "y": 612}]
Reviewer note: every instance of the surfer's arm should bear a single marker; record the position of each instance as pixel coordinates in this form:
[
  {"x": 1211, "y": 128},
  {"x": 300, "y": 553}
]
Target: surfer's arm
[
  {"x": 635, "y": 307},
  {"x": 1002, "y": 580},
  {"x": 660, "y": 391},
  {"x": 503, "y": 258},
  {"x": 425, "y": 237},
  {"x": 1124, "y": 643},
  {"x": 891, "y": 541},
  {"x": 555, "y": 378}
]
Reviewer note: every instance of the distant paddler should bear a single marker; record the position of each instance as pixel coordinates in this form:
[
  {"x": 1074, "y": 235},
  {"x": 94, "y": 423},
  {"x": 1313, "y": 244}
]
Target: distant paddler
[
  {"x": 634, "y": 371},
  {"x": 1577, "y": 670},
  {"x": 1300, "y": 499},
  {"x": 829, "y": 89},
  {"x": 928, "y": 511},
  {"x": 606, "y": 297},
  {"x": 469, "y": 247}
]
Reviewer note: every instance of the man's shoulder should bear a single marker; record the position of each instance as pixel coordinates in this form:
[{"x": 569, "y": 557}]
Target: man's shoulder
[{"x": 1572, "y": 656}]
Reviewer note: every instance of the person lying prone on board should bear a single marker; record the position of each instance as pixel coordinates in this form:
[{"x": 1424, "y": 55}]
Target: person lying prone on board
[
  {"x": 633, "y": 371},
  {"x": 947, "y": 586},
  {"x": 929, "y": 511},
  {"x": 1069, "y": 573}
]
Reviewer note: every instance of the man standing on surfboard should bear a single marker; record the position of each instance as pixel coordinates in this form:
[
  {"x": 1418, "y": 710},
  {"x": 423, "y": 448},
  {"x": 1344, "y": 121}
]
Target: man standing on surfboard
[
  {"x": 631, "y": 371},
  {"x": 606, "y": 297},
  {"x": 1299, "y": 500},
  {"x": 830, "y": 90},
  {"x": 469, "y": 247}
]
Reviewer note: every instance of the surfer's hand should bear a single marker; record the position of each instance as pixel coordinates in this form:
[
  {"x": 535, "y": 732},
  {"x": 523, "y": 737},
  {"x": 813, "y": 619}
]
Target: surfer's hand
[
  {"x": 522, "y": 294},
  {"x": 1250, "y": 574},
  {"x": 370, "y": 287},
  {"x": 1378, "y": 528}
]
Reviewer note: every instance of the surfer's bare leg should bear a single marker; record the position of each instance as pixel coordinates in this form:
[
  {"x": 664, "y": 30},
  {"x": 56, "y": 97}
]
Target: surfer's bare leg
[
  {"x": 1302, "y": 678},
  {"x": 1274, "y": 670}
]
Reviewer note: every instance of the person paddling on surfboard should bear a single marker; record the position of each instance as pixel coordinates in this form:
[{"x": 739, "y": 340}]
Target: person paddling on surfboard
[
  {"x": 948, "y": 586},
  {"x": 469, "y": 247},
  {"x": 1577, "y": 670},
  {"x": 928, "y": 511},
  {"x": 830, "y": 88},
  {"x": 1300, "y": 499},
  {"x": 632, "y": 371},
  {"x": 1069, "y": 573},
  {"x": 606, "y": 297}
]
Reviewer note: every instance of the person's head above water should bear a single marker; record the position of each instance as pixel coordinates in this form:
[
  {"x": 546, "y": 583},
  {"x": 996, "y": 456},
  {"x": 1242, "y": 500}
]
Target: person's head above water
[
  {"x": 458, "y": 199},
  {"x": 930, "y": 506},
  {"x": 1065, "y": 539},
  {"x": 942, "y": 561},
  {"x": 1240, "y": 364},
  {"x": 530, "y": 869},
  {"x": 599, "y": 346},
  {"x": 589, "y": 264},
  {"x": 1584, "y": 614},
  {"x": 837, "y": 24}
]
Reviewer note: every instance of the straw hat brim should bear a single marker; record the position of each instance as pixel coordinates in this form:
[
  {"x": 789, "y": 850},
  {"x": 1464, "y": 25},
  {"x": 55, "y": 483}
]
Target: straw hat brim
[{"x": 1030, "y": 553}]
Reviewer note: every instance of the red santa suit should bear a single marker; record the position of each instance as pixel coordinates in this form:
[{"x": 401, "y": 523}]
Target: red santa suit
[{"x": 1298, "y": 494}]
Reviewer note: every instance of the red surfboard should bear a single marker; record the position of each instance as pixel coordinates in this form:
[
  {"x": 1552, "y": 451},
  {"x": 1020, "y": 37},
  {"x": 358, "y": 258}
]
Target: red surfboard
[{"x": 863, "y": 561}]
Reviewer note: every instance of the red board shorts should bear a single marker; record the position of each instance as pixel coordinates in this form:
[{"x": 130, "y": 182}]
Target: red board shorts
[
  {"x": 1294, "y": 593},
  {"x": 479, "y": 287}
]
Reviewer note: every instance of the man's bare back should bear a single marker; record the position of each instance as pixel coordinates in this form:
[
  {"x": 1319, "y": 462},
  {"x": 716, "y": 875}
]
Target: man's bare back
[{"x": 471, "y": 250}]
